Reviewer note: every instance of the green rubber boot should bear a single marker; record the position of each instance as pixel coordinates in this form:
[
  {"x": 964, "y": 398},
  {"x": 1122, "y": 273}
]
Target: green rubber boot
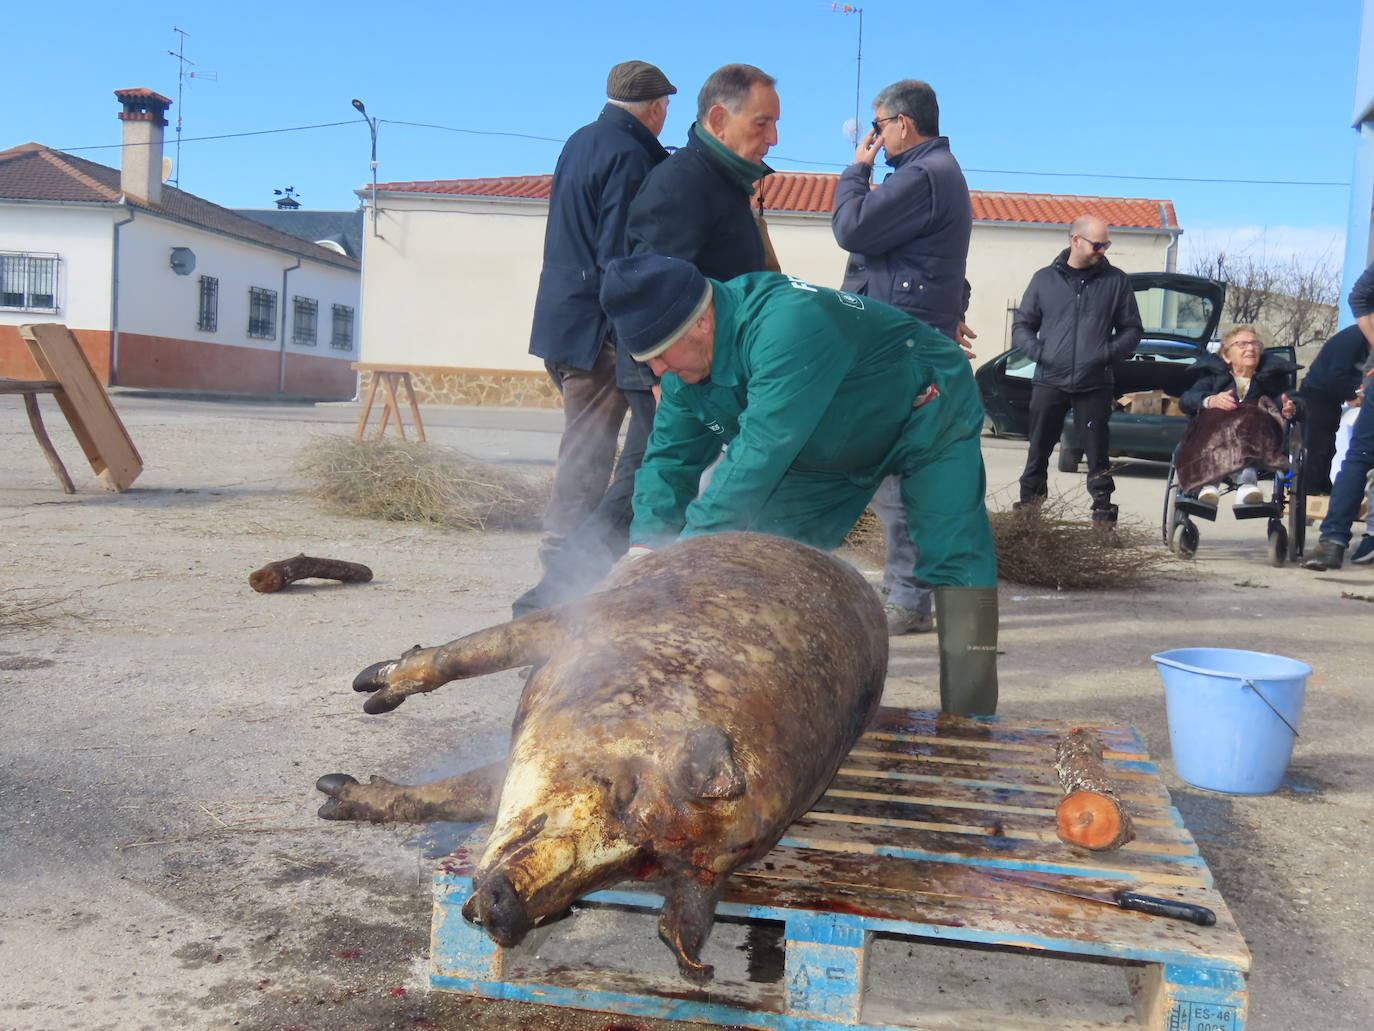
[{"x": 966, "y": 624}]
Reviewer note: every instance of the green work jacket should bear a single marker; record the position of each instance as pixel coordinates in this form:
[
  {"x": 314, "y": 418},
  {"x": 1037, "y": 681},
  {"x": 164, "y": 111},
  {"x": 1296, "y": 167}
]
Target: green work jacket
[{"x": 804, "y": 380}]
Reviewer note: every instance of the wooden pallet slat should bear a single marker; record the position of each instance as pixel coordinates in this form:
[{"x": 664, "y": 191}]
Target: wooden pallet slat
[{"x": 918, "y": 858}]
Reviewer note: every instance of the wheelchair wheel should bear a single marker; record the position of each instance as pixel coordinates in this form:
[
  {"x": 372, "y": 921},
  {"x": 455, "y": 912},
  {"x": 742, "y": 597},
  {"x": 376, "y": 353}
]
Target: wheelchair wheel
[
  {"x": 1184, "y": 538},
  {"x": 1169, "y": 519},
  {"x": 1278, "y": 546},
  {"x": 1297, "y": 497}
]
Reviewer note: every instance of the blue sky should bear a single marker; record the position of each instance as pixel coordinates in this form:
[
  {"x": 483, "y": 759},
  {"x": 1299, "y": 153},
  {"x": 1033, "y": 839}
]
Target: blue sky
[{"x": 1216, "y": 89}]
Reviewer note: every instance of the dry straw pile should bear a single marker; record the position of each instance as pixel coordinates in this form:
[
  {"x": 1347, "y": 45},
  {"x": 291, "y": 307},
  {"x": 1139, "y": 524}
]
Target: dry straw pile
[
  {"x": 420, "y": 483},
  {"x": 1053, "y": 545}
]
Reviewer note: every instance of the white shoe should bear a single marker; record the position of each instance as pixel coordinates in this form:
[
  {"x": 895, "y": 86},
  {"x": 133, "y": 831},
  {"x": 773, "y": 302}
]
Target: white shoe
[
  {"x": 1209, "y": 495},
  {"x": 1249, "y": 494}
]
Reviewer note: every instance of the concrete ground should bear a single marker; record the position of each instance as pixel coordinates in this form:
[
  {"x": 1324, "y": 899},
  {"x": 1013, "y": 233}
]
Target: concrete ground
[{"x": 164, "y": 726}]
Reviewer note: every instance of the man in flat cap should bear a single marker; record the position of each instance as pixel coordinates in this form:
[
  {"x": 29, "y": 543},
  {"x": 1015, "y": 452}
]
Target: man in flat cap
[
  {"x": 819, "y": 394},
  {"x": 599, "y": 171}
]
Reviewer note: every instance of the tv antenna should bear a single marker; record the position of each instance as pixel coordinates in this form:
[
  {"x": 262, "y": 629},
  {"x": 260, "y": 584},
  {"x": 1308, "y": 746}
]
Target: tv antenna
[{"x": 184, "y": 63}]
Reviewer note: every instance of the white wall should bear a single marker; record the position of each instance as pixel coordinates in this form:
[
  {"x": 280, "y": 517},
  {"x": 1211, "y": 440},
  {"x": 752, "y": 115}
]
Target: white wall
[
  {"x": 156, "y": 301},
  {"x": 451, "y": 281},
  {"x": 80, "y": 236}
]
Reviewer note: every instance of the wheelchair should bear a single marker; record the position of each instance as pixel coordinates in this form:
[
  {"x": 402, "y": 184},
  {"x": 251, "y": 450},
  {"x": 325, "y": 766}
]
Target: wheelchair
[{"x": 1285, "y": 511}]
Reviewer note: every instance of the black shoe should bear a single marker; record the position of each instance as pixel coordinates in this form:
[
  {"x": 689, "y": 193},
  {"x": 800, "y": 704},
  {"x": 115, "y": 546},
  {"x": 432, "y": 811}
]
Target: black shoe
[
  {"x": 1326, "y": 555},
  {"x": 1364, "y": 551}
]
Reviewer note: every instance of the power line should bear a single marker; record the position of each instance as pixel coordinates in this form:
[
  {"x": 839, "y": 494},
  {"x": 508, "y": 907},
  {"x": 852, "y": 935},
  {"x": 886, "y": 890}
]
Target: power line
[
  {"x": 222, "y": 136},
  {"x": 795, "y": 161}
]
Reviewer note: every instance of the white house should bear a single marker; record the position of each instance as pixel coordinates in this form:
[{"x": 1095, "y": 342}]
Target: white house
[
  {"x": 450, "y": 273},
  {"x": 165, "y": 290}
]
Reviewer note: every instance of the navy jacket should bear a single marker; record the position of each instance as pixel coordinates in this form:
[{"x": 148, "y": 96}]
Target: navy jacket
[
  {"x": 1075, "y": 323},
  {"x": 1336, "y": 371},
  {"x": 1270, "y": 380},
  {"x": 1362, "y": 294},
  {"x": 601, "y": 168},
  {"x": 909, "y": 237}
]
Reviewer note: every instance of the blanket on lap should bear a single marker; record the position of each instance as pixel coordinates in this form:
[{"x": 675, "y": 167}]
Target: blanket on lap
[{"x": 1217, "y": 444}]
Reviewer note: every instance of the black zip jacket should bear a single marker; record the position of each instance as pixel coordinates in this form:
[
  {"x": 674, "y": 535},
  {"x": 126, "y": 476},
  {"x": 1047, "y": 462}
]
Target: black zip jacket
[{"x": 1076, "y": 322}]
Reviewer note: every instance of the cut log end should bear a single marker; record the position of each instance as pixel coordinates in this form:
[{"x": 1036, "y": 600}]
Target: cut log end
[{"x": 1093, "y": 820}]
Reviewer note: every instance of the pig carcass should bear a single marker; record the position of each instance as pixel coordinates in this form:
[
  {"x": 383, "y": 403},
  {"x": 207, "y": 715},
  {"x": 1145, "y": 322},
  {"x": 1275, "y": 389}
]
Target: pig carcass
[{"x": 676, "y": 722}]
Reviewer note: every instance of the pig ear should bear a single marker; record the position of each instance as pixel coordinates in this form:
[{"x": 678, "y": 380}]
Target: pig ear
[{"x": 708, "y": 768}]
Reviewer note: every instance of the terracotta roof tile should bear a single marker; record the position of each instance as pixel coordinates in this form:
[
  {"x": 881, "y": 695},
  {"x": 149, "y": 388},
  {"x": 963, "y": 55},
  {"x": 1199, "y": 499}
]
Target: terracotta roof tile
[
  {"x": 815, "y": 192},
  {"x": 34, "y": 172}
]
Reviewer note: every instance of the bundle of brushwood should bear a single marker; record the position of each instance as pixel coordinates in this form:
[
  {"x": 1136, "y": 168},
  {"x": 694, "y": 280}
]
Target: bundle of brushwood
[
  {"x": 1053, "y": 545},
  {"x": 1090, "y": 814},
  {"x": 413, "y": 482}
]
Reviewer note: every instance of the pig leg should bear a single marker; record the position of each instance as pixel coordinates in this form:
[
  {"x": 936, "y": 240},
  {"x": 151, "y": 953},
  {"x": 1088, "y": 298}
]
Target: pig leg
[
  {"x": 689, "y": 910},
  {"x": 526, "y": 641},
  {"x": 465, "y": 798}
]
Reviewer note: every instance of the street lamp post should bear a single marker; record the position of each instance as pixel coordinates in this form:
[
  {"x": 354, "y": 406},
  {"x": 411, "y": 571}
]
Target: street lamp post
[{"x": 372, "y": 127}]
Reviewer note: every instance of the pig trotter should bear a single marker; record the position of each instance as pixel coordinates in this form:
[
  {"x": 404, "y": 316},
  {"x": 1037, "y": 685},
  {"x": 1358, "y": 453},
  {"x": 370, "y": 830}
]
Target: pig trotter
[
  {"x": 394, "y": 680},
  {"x": 460, "y": 799},
  {"x": 683, "y": 924}
]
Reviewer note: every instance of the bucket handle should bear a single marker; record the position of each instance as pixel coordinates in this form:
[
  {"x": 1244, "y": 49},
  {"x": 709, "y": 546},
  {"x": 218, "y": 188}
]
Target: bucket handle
[{"x": 1251, "y": 685}]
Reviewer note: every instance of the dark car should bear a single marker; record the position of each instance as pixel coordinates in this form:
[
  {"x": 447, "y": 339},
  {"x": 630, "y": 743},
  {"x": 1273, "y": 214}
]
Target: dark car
[{"x": 1180, "y": 313}]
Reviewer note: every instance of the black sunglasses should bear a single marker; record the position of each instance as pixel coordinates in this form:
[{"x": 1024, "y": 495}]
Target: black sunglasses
[
  {"x": 878, "y": 122},
  {"x": 1097, "y": 247}
]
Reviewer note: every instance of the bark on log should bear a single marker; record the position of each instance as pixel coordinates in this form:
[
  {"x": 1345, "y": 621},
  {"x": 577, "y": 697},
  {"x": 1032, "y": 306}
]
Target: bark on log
[
  {"x": 1089, "y": 815},
  {"x": 276, "y": 575}
]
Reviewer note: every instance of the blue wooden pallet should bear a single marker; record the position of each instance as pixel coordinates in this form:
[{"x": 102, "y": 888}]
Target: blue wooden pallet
[{"x": 922, "y": 815}]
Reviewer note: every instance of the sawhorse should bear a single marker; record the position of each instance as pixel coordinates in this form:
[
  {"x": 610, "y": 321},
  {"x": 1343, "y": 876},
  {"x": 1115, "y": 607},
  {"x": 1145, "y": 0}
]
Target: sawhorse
[{"x": 389, "y": 378}]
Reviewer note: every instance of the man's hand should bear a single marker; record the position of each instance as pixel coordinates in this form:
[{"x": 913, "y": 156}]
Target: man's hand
[
  {"x": 636, "y": 552},
  {"x": 962, "y": 336},
  {"x": 1288, "y": 407},
  {"x": 1226, "y": 402},
  {"x": 867, "y": 151}
]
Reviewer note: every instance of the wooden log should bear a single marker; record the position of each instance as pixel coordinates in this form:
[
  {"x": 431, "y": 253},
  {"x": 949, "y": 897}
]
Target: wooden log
[
  {"x": 276, "y": 575},
  {"x": 1090, "y": 814}
]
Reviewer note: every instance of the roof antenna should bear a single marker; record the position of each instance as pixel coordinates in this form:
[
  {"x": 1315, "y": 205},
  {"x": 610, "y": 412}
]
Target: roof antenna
[{"x": 182, "y": 76}]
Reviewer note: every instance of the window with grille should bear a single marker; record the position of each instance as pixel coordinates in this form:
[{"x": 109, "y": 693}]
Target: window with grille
[
  {"x": 28, "y": 281},
  {"x": 342, "y": 337},
  {"x": 306, "y": 322},
  {"x": 262, "y": 313},
  {"x": 208, "y": 318}
]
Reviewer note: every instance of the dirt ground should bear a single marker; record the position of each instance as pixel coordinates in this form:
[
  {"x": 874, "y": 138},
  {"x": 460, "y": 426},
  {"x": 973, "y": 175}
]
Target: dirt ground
[{"x": 164, "y": 726}]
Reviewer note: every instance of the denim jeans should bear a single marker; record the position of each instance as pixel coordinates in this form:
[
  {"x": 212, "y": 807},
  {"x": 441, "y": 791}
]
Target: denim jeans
[{"x": 1351, "y": 481}]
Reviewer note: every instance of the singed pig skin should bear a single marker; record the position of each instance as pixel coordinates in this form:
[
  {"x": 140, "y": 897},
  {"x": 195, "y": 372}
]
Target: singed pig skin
[{"x": 677, "y": 721}]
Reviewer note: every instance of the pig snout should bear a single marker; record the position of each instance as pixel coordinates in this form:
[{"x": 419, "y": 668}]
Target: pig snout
[{"x": 499, "y": 909}]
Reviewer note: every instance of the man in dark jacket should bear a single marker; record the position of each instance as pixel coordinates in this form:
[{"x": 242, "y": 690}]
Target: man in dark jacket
[
  {"x": 908, "y": 243},
  {"x": 1078, "y": 316},
  {"x": 600, "y": 170},
  {"x": 695, "y": 206},
  {"x": 1333, "y": 379},
  {"x": 1353, "y": 478}
]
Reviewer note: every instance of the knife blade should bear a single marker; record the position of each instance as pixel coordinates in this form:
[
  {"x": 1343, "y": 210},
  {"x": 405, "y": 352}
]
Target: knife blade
[{"x": 1123, "y": 899}]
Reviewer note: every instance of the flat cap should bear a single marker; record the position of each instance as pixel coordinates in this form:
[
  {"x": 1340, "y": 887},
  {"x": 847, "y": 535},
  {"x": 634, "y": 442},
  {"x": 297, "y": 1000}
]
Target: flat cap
[{"x": 630, "y": 81}]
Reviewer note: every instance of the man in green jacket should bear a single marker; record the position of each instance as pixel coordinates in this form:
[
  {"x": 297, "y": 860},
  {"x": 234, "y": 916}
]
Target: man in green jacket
[{"x": 815, "y": 395}]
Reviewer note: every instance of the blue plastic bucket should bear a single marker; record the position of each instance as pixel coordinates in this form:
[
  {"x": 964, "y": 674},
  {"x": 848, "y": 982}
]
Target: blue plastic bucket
[{"x": 1233, "y": 716}]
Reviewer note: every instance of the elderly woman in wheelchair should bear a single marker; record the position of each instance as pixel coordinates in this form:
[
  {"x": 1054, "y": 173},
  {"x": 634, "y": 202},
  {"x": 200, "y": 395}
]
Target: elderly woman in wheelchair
[{"x": 1238, "y": 404}]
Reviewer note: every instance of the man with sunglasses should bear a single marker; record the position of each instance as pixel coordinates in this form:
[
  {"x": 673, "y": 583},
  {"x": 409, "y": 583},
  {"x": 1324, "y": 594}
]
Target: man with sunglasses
[
  {"x": 1077, "y": 318},
  {"x": 908, "y": 241}
]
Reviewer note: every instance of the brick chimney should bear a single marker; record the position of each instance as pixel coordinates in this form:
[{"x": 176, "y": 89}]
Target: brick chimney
[{"x": 140, "y": 167}]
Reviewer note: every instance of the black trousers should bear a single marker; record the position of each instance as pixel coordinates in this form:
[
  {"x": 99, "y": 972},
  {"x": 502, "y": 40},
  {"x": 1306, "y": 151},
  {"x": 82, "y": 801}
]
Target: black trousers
[
  {"x": 1091, "y": 411},
  {"x": 588, "y": 552},
  {"x": 1321, "y": 420}
]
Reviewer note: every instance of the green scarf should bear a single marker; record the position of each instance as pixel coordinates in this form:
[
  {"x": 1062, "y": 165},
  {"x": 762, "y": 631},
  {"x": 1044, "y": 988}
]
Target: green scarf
[{"x": 742, "y": 170}]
